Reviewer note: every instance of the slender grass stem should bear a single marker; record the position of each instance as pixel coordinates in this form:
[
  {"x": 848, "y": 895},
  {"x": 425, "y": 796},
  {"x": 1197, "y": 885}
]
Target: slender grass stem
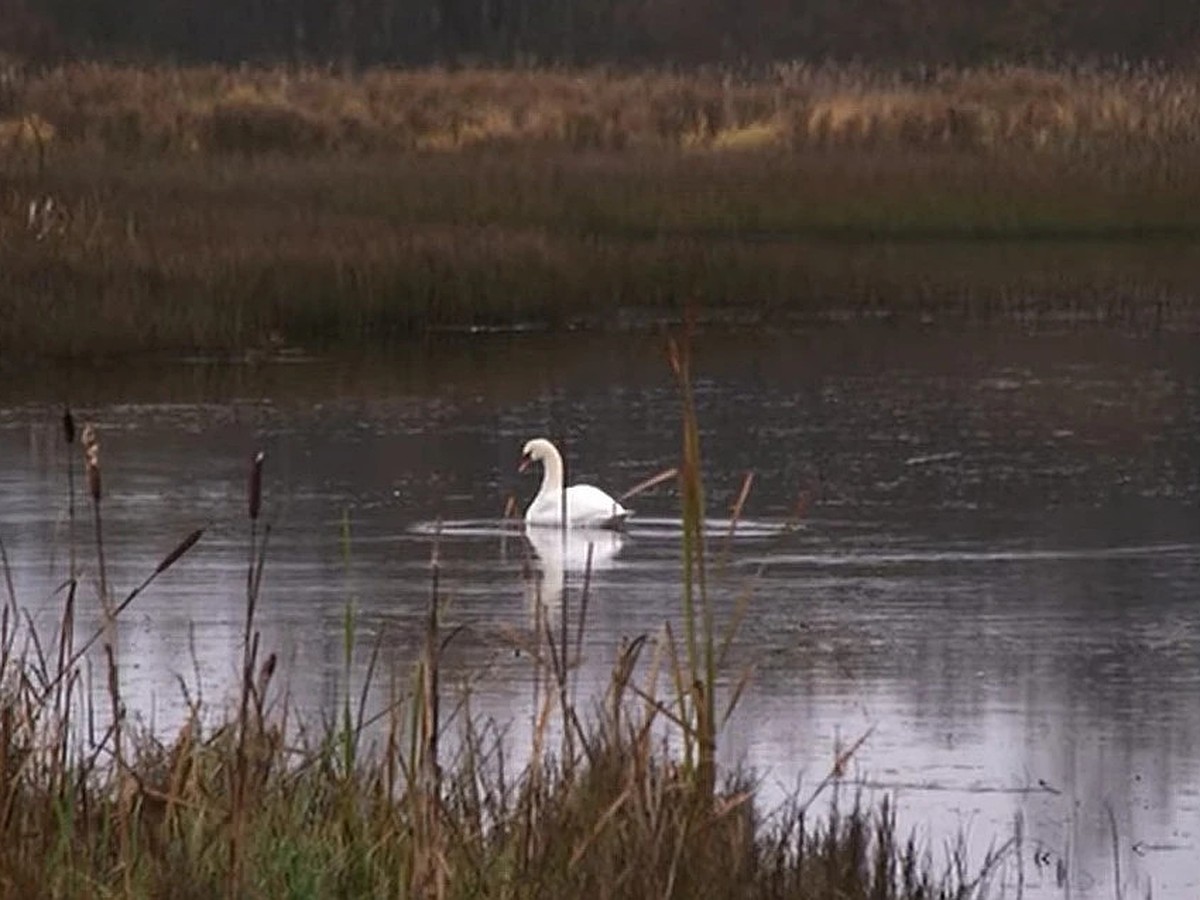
[{"x": 68, "y": 422}]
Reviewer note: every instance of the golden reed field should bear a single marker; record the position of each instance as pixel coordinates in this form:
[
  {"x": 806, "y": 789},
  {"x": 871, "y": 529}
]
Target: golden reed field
[
  {"x": 232, "y": 209},
  {"x": 221, "y": 111},
  {"x": 162, "y": 111}
]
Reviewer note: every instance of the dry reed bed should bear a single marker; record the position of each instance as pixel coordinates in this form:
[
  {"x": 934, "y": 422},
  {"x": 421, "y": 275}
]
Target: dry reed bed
[
  {"x": 238, "y": 807},
  {"x": 159, "y": 209},
  {"x": 213, "y": 110},
  {"x": 135, "y": 257}
]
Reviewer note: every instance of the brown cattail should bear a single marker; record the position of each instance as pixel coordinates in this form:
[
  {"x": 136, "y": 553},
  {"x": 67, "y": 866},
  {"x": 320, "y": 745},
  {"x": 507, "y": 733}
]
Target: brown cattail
[
  {"x": 673, "y": 356},
  {"x": 256, "y": 463},
  {"x": 91, "y": 456},
  {"x": 184, "y": 546},
  {"x": 265, "y": 673},
  {"x": 68, "y": 425}
]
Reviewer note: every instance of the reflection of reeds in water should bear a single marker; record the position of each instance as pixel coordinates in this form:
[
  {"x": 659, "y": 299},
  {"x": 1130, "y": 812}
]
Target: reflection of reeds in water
[{"x": 250, "y": 807}]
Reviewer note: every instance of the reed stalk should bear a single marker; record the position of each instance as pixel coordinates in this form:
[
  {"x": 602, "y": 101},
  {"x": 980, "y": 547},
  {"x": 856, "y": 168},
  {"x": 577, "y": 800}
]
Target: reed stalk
[
  {"x": 68, "y": 424},
  {"x": 240, "y": 773},
  {"x": 427, "y": 867},
  {"x": 91, "y": 454},
  {"x": 698, "y": 703}
]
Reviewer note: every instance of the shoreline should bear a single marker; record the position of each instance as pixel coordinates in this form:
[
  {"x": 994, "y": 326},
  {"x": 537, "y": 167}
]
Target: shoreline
[{"x": 125, "y": 233}]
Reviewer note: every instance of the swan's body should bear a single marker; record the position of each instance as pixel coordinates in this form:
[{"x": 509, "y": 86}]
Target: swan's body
[{"x": 587, "y": 506}]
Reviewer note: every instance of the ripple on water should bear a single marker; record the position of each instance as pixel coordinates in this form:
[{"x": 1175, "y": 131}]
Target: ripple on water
[
  {"x": 940, "y": 557},
  {"x": 642, "y": 527}
]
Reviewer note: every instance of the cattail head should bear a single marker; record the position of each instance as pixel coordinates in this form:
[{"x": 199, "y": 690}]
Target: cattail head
[
  {"x": 255, "y": 488},
  {"x": 673, "y": 357},
  {"x": 267, "y": 670},
  {"x": 68, "y": 425},
  {"x": 91, "y": 457},
  {"x": 183, "y": 547}
]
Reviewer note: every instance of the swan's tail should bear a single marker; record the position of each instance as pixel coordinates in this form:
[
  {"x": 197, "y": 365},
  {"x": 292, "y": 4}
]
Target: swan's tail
[{"x": 617, "y": 520}]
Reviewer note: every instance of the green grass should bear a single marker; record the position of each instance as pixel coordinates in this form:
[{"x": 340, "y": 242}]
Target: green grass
[{"x": 245, "y": 806}]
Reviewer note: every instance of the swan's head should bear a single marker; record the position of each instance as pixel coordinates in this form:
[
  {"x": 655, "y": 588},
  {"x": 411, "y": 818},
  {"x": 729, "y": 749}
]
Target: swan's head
[{"x": 536, "y": 450}]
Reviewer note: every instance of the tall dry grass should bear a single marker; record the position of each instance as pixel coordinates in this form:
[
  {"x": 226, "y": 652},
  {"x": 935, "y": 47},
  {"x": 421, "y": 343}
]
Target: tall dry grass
[
  {"x": 244, "y": 806},
  {"x": 210, "y": 110},
  {"x": 146, "y": 210}
]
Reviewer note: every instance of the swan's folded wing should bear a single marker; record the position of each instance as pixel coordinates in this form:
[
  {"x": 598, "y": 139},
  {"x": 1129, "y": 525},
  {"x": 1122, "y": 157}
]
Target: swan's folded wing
[{"x": 590, "y": 507}]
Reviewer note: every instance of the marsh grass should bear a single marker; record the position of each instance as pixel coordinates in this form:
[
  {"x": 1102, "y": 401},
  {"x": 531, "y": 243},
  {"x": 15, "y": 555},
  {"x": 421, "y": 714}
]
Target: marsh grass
[
  {"x": 250, "y": 805},
  {"x": 284, "y": 110},
  {"x": 239, "y": 211},
  {"x": 166, "y": 256}
]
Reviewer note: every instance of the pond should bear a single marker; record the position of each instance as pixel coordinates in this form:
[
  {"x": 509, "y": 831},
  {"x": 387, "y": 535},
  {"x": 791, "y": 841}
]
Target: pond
[{"x": 978, "y": 550}]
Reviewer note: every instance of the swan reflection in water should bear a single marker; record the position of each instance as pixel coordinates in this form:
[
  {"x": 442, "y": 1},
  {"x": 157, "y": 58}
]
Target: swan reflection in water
[{"x": 560, "y": 559}]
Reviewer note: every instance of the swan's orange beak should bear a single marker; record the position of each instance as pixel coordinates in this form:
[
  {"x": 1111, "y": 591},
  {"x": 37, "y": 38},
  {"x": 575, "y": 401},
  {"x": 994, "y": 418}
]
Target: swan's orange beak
[{"x": 526, "y": 462}]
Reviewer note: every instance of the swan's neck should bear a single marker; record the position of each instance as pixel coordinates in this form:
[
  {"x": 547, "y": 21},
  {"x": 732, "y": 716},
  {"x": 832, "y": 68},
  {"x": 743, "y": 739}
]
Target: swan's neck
[{"x": 552, "y": 476}]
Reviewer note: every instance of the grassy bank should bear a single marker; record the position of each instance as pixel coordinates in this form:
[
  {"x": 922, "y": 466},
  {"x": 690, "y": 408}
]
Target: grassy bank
[
  {"x": 204, "y": 111},
  {"x": 237, "y": 805},
  {"x": 221, "y": 210}
]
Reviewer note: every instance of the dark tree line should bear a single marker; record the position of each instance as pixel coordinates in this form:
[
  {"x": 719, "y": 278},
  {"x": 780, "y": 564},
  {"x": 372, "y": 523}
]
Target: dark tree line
[{"x": 363, "y": 32}]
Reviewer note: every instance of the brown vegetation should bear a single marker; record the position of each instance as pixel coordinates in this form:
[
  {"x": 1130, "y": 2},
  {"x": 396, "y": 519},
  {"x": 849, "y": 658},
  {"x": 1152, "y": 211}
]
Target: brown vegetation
[
  {"x": 212, "y": 209},
  {"x": 213, "y": 110}
]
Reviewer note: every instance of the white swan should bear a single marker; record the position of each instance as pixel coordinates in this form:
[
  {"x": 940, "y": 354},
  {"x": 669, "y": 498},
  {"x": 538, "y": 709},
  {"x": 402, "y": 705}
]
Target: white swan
[{"x": 587, "y": 506}]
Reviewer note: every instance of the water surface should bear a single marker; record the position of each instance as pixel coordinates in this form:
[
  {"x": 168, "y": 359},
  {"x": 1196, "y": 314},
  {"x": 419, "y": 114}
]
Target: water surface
[{"x": 980, "y": 550}]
